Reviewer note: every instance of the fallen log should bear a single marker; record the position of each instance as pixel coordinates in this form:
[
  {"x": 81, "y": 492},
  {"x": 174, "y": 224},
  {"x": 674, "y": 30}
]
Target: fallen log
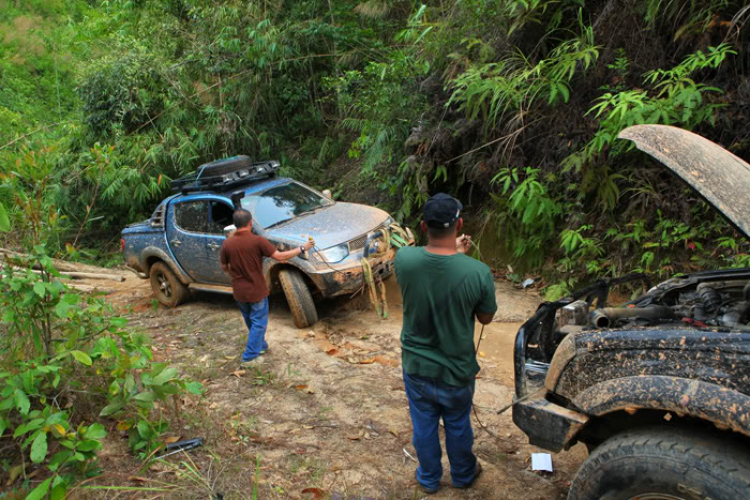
[
  {"x": 65, "y": 266},
  {"x": 78, "y": 275},
  {"x": 93, "y": 276}
]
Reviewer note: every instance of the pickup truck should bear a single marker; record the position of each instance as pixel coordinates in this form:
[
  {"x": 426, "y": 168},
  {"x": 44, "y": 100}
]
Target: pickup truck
[
  {"x": 177, "y": 249},
  {"x": 657, "y": 390}
]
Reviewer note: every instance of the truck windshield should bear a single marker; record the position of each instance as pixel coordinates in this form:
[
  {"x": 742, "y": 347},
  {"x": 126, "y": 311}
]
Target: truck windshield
[{"x": 282, "y": 203}]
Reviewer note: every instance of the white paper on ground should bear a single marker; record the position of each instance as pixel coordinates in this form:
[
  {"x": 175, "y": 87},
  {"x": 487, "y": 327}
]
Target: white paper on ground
[{"x": 541, "y": 461}]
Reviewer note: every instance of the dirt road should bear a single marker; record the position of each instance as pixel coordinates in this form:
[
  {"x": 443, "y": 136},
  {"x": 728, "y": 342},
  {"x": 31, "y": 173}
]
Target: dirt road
[{"x": 326, "y": 413}]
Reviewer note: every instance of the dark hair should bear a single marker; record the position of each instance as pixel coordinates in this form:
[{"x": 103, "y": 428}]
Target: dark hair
[
  {"x": 440, "y": 231},
  {"x": 241, "y": 218}
]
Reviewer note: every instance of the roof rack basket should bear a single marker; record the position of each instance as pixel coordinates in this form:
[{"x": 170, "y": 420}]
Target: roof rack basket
[{"x": 245, "y": 173}]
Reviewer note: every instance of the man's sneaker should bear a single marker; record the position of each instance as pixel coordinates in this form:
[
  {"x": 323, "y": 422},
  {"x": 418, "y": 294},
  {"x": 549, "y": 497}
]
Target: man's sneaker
[
  {"x": 253, "y": 362},
  {"x": 477, "y": 473},
  {"x": 264, "y": 351}
]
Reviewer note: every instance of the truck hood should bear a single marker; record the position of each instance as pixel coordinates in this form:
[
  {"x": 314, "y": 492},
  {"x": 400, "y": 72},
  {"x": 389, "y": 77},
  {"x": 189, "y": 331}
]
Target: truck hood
[
  {"x": 721, "y": 178},
  {"x": 330, "y": 226}
]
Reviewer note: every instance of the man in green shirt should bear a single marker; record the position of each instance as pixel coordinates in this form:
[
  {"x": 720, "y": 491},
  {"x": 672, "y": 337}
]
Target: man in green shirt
[{"x": 443, "y": 290}]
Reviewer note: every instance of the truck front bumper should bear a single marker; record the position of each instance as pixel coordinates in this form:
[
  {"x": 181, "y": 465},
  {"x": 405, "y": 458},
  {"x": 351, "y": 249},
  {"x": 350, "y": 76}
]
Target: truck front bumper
[
  {"x": 345, "y": 280},
  {"x": 548, "y": 425}
]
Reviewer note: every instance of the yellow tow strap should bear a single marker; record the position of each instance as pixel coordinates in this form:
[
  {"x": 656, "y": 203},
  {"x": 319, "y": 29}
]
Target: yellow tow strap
[{"x": 394, "y": 236}]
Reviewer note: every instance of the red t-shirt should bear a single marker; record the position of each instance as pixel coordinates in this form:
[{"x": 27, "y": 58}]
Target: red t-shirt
[{"x": 244, "y": 252}]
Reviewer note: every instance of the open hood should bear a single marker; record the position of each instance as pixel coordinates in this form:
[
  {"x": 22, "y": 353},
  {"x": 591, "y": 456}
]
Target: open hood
[{"x": 721, "y": 178}]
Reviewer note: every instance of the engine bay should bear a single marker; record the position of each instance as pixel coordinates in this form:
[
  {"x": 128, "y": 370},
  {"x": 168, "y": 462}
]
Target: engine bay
[{"x": 720, "y": 303}]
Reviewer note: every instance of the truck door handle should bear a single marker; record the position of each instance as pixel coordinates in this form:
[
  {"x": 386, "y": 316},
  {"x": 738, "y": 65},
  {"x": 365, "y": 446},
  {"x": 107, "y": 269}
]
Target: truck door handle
[
  {"x": 175, "y": 242},
  {"x": 213, "y": 246}
]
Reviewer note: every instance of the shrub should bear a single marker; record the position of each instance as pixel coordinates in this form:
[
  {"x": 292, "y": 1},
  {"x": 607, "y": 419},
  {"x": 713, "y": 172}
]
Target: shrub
[{"x": 66, "y": 362}]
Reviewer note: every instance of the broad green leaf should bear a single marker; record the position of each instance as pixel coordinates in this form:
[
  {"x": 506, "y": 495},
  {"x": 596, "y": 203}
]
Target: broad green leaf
[
  {"x": 194, "y": 388},
  {"x": 59, "y": 492},
  {"x": 62, "y": 308},
  {"x": 114, "y": 388},
  {"x": 164, "y": 377},
  {"x": 143, "y": 429},
  {"x": 89, "y": 445},
  {"x": 81, "y": 357},
  {"x": 39, "y": 288},
  {"x": 96, "y": 431},
  {"x": 110, "y": 409},
  {"x": 59, "y": 459},
  {"x": 39, "y": 448},
  {"x": 40, "y": 491},
  {"x": 22, "y": 401},
  {"x": 4, "y": 220},
  {"x": 148, "y": 397}
]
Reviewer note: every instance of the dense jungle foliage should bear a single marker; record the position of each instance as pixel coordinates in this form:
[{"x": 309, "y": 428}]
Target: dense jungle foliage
[{"x": 512, "y": 105}]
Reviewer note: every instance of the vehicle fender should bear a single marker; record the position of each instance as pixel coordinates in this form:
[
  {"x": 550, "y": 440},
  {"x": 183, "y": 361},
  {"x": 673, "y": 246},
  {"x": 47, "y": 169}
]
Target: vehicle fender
[
  {"x": 271, "y": 267},
  {"x": 152, "y": 251},
  {"x": 724, "y": 407}
]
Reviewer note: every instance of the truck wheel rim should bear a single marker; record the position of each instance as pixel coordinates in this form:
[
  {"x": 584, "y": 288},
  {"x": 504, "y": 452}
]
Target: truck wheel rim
[{"x": 164, "y": 285}]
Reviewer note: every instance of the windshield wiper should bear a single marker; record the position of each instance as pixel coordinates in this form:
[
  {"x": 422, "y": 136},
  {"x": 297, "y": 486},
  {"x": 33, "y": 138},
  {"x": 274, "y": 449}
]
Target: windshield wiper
[{"x": 282, "y": 221}]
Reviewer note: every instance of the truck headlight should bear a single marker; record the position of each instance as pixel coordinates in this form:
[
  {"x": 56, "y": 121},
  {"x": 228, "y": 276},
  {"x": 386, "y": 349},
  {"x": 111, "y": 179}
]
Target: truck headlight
[{"x": 335, "y": 254}]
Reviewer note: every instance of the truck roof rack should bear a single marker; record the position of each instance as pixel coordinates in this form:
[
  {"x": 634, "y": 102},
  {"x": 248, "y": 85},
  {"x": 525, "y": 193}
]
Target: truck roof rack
[{"x": 245, "y": 174}]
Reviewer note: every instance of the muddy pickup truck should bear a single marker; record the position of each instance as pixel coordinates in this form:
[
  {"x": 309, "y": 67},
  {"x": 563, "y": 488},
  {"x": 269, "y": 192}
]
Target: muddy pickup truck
[
  {"x": 177, "y": 249},
  {"x": 658, "y": 390}
]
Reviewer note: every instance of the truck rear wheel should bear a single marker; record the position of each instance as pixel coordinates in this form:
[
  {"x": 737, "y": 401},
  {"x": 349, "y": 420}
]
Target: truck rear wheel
[
  {"x": 299, "y": 298},
  {"x": 168, "y": 289},
  {"x": 664, "y": 463}
]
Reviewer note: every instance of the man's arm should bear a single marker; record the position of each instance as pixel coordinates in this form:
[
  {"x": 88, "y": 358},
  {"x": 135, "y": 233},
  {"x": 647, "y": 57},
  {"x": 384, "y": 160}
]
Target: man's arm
[
  {"x": 224, "y": 260},
  {"x": 282, "y": 256},
  {"x": 485, "y": 318},
  {"x": 487, "y": 306}
]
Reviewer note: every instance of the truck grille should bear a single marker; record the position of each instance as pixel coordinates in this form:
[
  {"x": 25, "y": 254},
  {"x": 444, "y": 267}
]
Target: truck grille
[{"x": 360, "y": 242}]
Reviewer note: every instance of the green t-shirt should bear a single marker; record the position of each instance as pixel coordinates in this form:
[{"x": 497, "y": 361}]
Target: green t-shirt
[{"x": 441, "y": 295}]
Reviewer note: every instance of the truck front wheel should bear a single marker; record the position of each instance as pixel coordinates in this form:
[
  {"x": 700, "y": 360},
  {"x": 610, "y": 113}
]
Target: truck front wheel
[
  {"x": 299, "y": 298},
  {"x": 168, "y": 289},
  {"x": 664, "y": 463}
]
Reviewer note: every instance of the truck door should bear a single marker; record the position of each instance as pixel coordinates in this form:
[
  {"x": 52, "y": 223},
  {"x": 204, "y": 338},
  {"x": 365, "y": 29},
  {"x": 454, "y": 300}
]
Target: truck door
[
  {"x": 188, "y": 237},
  {"x": 220, "y": 213}
]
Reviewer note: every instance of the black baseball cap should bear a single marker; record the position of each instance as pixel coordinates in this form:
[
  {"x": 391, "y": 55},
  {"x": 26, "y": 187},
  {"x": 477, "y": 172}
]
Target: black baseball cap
[{"x": 441, "y": 210}]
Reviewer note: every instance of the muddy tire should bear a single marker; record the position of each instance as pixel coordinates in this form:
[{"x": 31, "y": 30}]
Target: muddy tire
[
  {"x": 227, "y": 166},
  {"x": 168, "y": 289},
  {"x": 665, "y": 463},
  {"x": 299, "y": 298}
]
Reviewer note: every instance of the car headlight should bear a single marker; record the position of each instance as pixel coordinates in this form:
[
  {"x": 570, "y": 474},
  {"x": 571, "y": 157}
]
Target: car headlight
[{"x": 335, "y": 254}]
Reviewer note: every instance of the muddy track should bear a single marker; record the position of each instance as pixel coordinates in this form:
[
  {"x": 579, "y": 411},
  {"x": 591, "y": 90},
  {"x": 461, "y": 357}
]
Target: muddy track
[{"x": 327, "y": 411}]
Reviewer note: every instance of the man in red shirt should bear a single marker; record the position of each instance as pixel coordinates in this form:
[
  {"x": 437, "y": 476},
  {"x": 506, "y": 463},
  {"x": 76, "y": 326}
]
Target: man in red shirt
[{"x": 242, "y": 259}]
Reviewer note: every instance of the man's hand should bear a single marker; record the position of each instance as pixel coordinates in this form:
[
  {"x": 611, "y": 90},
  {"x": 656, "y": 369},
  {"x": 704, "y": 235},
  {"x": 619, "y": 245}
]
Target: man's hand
[
  {"x": 282, "y": 256},
  {"x": 463, "y": 243}
]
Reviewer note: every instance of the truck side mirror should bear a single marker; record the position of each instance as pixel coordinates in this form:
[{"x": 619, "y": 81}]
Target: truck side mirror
[{"x": 327, "y": 193}]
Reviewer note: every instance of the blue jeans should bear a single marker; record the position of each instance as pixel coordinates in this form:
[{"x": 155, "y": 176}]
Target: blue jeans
[
  {"x": 255, "y": 315},
  {"x": 429, "y": 400}
]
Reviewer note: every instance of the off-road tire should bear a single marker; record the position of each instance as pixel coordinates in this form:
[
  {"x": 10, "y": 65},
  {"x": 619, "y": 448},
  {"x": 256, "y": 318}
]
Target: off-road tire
[
  {"x": 222, "y": 167},
  {"x": 299, "y": 298},
  {"x": 168, "y": 289},
  {"x": 667, "y": 462}
]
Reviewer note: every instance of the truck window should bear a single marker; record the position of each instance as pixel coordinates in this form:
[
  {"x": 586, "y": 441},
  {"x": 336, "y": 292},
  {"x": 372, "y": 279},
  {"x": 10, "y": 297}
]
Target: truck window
[
  {"x": 221, "y": 217},
  {"x": 192, "y": 216}
]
